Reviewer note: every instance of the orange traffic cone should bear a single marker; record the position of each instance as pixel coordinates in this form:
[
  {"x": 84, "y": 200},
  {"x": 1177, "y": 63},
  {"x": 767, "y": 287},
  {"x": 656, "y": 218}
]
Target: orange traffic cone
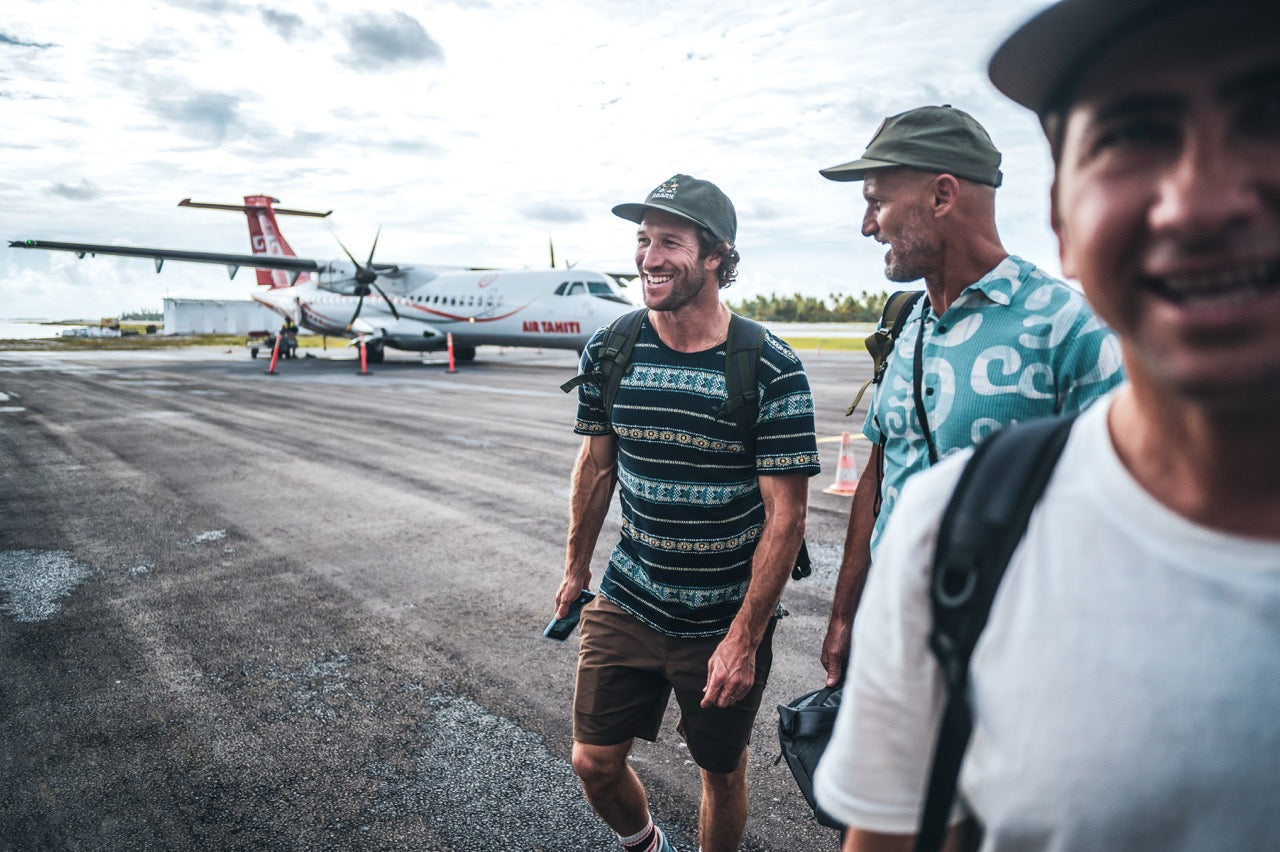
[{"x": 846, "y": 470}]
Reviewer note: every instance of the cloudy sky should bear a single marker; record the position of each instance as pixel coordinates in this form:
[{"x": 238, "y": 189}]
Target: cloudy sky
[{"x": 471, "y": 132}]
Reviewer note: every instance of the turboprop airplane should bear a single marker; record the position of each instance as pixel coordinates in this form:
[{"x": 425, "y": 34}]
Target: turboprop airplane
[{"x": 412, "y": 307}]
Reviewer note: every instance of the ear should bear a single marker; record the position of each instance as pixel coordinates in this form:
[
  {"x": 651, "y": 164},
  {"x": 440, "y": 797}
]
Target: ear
[
  {"x": 946, "y": 193},
  {"x": 712, "y": 261}
]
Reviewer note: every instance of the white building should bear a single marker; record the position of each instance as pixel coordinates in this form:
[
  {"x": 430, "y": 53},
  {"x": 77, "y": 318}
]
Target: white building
[{"x": 217, "y": 316}]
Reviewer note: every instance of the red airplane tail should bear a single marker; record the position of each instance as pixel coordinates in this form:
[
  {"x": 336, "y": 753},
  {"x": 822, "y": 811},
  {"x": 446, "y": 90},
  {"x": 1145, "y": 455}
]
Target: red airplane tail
[{"x": 264, "y": 233}]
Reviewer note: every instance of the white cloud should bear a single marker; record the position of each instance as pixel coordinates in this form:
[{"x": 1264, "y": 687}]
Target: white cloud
[{"x": 472, "y": 132}]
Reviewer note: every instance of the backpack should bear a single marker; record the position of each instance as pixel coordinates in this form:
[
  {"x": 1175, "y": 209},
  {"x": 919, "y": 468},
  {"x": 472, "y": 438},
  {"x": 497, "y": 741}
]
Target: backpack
[
  {"x": 742, "y": 355},
  {"x": 741, "y": 359},
  {"x": 982, "y": 525},
  {"x": 897, "y": 308}
]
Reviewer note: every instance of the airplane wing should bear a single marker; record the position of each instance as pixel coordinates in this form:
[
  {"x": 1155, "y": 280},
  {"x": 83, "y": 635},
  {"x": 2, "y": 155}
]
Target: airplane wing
[{"x": 233, "y": 262}]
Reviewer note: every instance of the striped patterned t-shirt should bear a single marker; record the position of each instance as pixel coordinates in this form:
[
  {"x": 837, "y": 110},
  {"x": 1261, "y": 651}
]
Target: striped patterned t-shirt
[{"x": 691, "y": 507}]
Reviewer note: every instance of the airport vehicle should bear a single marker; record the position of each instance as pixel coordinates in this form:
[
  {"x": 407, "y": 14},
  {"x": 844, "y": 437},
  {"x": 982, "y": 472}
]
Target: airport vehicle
[
  {"x": 266, "y": 341},
  {"x": 413, "y": 307}
]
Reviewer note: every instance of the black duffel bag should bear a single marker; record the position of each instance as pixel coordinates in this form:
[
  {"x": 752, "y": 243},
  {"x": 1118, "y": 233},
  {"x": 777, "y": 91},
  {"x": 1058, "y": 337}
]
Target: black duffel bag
[{"x": 804, "y": 727}]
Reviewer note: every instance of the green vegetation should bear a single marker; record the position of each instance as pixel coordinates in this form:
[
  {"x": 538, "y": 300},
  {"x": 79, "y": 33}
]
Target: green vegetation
[
  {"x": 831, "y": 344},
  {"x": 836, "y": 308},
  {"x": 142, "y": 316}
]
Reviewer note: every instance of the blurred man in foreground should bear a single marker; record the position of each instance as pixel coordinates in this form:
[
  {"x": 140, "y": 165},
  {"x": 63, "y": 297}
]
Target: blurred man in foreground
[{"x": 1126, "y": 688}]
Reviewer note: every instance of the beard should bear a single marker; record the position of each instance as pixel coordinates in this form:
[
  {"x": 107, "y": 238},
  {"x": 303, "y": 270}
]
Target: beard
[
  {"x": 912, "y": 255},
  {"x": 683, "y": 289}
]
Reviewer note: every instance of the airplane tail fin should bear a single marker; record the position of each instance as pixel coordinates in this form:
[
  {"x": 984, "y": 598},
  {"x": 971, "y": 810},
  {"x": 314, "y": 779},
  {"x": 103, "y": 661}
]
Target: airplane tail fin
[{"x": 264, "y": 233}]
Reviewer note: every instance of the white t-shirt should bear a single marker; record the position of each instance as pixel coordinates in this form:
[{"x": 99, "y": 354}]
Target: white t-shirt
[{"x": 1126, "y": 690}]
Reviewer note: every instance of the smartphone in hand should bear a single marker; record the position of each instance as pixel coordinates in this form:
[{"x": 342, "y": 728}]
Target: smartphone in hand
[{"x": 560, "y": 628}]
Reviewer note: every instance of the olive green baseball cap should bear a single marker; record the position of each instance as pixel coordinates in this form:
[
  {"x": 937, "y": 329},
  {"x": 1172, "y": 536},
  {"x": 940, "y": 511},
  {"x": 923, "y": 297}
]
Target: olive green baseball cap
[
  {"x": 939, "y": 139},
  {"x": 699, "y": 201}
]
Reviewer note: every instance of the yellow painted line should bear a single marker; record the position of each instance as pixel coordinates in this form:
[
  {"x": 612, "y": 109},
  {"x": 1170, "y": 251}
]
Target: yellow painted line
[{"x": 853, "y": 436}]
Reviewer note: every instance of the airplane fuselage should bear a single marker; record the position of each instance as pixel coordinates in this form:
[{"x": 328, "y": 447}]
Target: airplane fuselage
[
  {"x": 553, "y": 309},
  {"x": 413, "y": 307}
]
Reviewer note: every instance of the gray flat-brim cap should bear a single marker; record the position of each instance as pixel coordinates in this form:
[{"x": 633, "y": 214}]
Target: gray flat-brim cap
[{"x": 1035, "y": 63}]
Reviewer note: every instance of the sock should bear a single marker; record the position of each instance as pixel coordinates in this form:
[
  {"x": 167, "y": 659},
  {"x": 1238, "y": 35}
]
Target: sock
[{"x": 647, "y": 839}]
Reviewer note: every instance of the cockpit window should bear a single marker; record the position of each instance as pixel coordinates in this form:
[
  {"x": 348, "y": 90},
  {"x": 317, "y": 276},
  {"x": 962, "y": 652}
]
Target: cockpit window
[
  {"x": 601, "y": 289},
  {"x": 605, "y": 290}
]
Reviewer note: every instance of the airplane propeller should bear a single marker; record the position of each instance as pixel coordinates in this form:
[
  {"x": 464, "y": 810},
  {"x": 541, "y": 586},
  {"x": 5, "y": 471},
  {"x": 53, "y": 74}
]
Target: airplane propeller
[{"x": 366, "y": 279}]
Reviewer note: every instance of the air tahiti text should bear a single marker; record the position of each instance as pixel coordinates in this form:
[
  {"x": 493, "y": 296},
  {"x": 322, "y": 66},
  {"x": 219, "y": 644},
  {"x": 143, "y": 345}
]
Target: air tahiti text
[{"x": 544, "y": 327}]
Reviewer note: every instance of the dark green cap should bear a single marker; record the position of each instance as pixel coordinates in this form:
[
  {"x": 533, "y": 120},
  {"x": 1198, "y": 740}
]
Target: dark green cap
[
  {"x": 699, "y": 201},
  {"x": 939, "y": 139}
]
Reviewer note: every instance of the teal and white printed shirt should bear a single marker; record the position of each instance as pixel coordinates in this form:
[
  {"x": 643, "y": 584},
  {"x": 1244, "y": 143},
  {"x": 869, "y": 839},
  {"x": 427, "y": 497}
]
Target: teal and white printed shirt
[
  {"x": 1016, "y": 345},
  {"x": 691, "y": 507}
]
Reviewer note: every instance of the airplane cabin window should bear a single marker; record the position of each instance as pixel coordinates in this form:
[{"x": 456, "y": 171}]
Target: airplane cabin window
[{"x": 563, "y": 286}]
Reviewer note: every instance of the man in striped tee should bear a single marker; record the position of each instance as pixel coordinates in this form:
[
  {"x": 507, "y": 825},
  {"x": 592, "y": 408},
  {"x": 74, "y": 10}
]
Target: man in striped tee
[{"x": 711, "y": 526}]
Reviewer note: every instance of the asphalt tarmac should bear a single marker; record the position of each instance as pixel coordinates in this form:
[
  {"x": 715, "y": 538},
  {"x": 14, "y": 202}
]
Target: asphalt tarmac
[{"x": 304, "y": 610}]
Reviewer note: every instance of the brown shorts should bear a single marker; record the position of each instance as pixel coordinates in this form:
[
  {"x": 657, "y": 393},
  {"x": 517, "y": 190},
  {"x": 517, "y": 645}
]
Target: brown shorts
[{"x": 627, "y": 672}]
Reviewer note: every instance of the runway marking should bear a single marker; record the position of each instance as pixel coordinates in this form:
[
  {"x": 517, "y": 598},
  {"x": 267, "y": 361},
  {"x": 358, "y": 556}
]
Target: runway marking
[
  {"x": 10, "y": 409},
  {"x": 858, "y": 436},
  {"x": 34, "y": 581}
]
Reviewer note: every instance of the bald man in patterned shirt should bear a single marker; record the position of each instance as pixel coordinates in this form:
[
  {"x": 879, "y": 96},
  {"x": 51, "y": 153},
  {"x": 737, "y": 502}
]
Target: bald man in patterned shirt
[{"x": 995, "y": 341}]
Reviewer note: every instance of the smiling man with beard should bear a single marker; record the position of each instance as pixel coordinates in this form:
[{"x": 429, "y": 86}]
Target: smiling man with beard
[
  {"x": 995, "y": 341},
  {"x": 712, "y": 520}
]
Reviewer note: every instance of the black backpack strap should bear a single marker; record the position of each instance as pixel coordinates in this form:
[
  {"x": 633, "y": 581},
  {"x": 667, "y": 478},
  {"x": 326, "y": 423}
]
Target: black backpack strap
[
  {"x": 614, "y": 360},
  {"x": 742, "y": 399},
  {"x": 897, "y": 308},
  {"x": 741, "y": 358},
  {"x": 983, "y": 523}
]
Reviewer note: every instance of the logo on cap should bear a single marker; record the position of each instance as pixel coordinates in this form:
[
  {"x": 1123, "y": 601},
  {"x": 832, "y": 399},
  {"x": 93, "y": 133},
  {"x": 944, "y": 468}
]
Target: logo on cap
[{"x": 666, "y": 189}]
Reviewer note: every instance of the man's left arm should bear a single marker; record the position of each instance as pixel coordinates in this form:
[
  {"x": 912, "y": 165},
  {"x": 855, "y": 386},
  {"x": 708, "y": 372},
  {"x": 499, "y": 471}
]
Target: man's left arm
[{"x": 732, "y": 668}]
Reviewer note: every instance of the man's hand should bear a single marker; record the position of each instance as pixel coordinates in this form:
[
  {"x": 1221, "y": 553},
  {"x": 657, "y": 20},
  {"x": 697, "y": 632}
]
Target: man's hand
[
  {"x": 835, "y": 650},
  {"x": 731, "y": 672},
  {"x": 568, "y": 592}
]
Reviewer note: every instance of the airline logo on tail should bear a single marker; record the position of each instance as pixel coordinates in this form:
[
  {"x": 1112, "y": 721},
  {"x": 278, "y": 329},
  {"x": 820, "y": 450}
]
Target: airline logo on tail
[{"x": 264, "y": 233}]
